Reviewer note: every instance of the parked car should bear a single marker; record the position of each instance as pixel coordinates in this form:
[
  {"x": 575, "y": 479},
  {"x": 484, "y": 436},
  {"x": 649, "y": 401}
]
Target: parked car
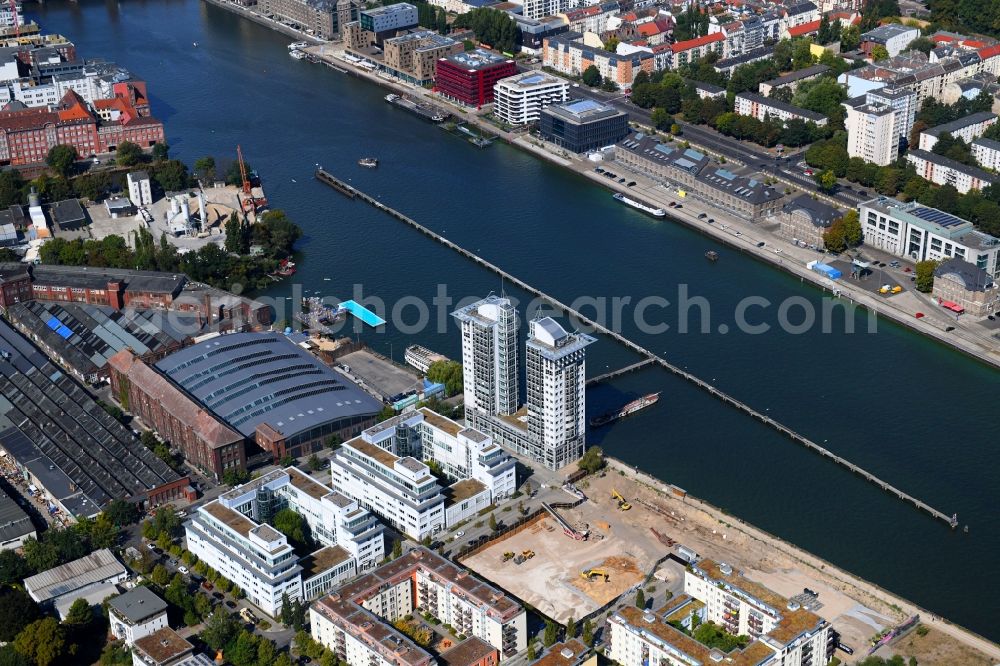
[
  {"x": 460, "y": 533},
  {"x": 151, "y": 546},
  {"x": 183, "y": 569},
  {"x": 760, "y": 244},
  {"x": 702, "y": 216},
  {"x": 230, "y": 603}
]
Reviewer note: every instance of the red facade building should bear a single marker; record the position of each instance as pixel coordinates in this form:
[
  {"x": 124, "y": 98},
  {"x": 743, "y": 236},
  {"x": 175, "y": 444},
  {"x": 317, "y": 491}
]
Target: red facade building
[
  {"x": 469, "y": 77},
  {"x": 27, "y": 135}
]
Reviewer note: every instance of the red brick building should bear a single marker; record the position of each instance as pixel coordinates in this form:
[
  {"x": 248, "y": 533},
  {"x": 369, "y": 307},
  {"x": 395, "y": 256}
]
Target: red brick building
[
  {"x": 469, "y": 77},
  {"x": 27, "y": 135},
  {"x": 206, "y": 442}
]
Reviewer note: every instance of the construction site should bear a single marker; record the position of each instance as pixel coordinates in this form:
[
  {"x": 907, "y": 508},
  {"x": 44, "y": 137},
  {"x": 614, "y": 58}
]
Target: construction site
[{"x": 571, "y": 561}]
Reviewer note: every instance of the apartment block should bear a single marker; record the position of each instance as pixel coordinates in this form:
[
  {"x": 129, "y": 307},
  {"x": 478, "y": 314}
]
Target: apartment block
[
  {"x": 571, "y": 54},
  {"x": 946, "y": 171},
  {"x": 918, "y": 232},
  {"x": 782, "y": 632},
  {"x": 519, "y": 100},
  {"x": 355, "y": 620},
  {"x": 871, "y": 133},
  {"x": 968, "y": 128},
  {"x": 759, "y": 107},
  {"x": 893, "y": 36},
  {"x": 232, "y": 535},
  {"x": 489, "y": 357},
  {"x": 323, "y": 18},
  {"x": 987, "y": 153},
  {"x": 136, "y": 614}
]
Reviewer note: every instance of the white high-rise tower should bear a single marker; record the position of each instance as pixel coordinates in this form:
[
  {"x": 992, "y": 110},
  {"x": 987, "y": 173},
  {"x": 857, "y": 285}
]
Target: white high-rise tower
[{"x": 489, "y": 357}]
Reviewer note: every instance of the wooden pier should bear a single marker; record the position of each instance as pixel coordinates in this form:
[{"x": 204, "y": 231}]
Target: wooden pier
[
  {"x": 608, "y": 376},
  {"x": 951, "y": 520}
]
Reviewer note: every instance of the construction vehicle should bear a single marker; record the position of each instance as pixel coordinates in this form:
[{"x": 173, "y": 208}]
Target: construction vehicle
[
  {"x": 250, "y": 203},
  {"x": 527, "y": 554},
  {"x": 589, "y": 574},
  {"x": 622, "y": 504},
  {"x": 508, "y": 556}
]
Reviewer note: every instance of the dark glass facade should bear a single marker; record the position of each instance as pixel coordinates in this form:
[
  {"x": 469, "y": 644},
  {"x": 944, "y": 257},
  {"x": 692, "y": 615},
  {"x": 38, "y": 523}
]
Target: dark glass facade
[{"x": 579, "y": 135}]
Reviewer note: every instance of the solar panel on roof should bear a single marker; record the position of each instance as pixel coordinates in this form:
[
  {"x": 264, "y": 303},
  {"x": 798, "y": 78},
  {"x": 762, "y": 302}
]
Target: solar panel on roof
[{"x": 937, "y": 217}]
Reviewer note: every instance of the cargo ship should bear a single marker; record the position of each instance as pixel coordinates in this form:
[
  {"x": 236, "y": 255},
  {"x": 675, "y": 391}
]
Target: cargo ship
[
  {"x": 629, "y": 409},
  {"x": 421, "y": 109},
  {"x": 655, "y": 212}
]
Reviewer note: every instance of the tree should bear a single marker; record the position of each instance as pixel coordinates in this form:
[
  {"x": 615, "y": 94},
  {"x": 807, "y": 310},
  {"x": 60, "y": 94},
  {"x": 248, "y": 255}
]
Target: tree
[
  {"x": 493, "y": 523},
  {"x": 850, "y": 38},
  {"x": 551, "y": 633},
  {"x": 93, "y": 186},
  {"x": 234, "y": 234},
  {"x": 587, "y": 634},
  {"x": 852, "y": 228},
  {"x": 17, "y": 610},
  {"x": 640, "y": 599},
  {"x": 160, "y": 575},
  {"x": 879, "y": 53},
  {"x": 170, "y": 175},
  {"x": 42, "y": 641},
  {"x": 661, "y": 119},
  {"x": 295, "y": 527},
  {"x": 285, "y": 613},
  {"x": 128, "y": 154},
  {"x": 532, "y": 652},
  {"x": 13, "y": 568},
  {"x": 314, "y": 463},
  {"x": 80, "y": 612},
  {"x": 40, "y": 556},
  {"x": 219, "y": 630},
  {"x": 204, "y": 168},
  {"x": 161, "y": 151},
  {"x": 925, "y": 275},
  {"x": 592, "y": 460},
  {"x": 826, "y": 181},
  {"x": 121, "y": 512},
  {"x": 397, "y": 548},
  {"x": 922, "y": 44},
  {"x": 61, "y": 159},
  {"x": 448, "y": 373},
  {"x": 591, "y": 77},
  {"x": 570, "y": 628}
]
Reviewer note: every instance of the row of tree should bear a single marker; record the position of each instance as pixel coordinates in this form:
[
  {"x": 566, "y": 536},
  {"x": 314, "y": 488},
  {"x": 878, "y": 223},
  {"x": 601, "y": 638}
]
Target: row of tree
[{"x": 492, "y": 27}]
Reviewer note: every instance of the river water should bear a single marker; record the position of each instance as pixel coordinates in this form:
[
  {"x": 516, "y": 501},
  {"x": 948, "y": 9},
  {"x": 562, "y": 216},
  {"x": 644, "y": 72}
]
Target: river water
[{"x": 907, "y": 409}]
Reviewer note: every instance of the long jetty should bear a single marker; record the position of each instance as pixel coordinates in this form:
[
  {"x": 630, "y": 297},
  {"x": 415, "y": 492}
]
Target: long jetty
[
  {"x": 347, "y": 190},
  {"x": 608, "y": 376}
]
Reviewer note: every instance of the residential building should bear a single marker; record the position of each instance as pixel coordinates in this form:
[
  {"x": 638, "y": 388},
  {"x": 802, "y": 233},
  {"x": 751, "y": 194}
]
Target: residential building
[
  {"x": 801, "y": 30},
  {"x": 570, "y": 53},
  {"x": 747, "y": 34},
  {"x": 782, "y": 633},
  {"x": 567, "y": 653},
  {"x": 583, "y": 125},
  {"x": 15, "y": 525},
  {"x": 871, "y": 133},
  {"x": 470, "y": 652},
  {"x": 519, "y": 100},
  {"x": 399, "y": 489},
  {"x": 804, "y": 219},
  {"x": 167, "y": 648},
  {"x": 413, "y": 55},
  {"x": 946, "y": 171},
  {"x": 232, "y": 535},
  {"x": 960, "y": 285},
  {"x": 380, "y": 20},
  {"x": 903, "y": 102},
  {"x": 695, "y": 175},
  {"x": 728, "y": 65},
  {"x": 914, "y": 71},
  {"x": 795, "y": 14},
  {"x": 92, "y": 578},
  {"x": 895, "y": 37},
  {"x": 27, "y": 135},
  {"x": 793, "y": 79},
  {"x": 489, "y": 357},
  {"x": 968, "y": 128},
  {"x": 469, "y": 77},
  {"x": 355, "y": 620},
  {"x": 683, "y": 52},
  {"x": 590, "y": 18},
  {"x": 987, "y": 153},
  {"x": 708, "y": 90},
  {"x": 756, "y": 106},
  {"x": 972, "y": 87},
  {"x": 422, "y": 358},
  {"x": 324, "y": 19},
  {"x": 534, "y": 31},
  {"x": 550, "y": 427},
  {"x": 139, "y": 190},
  {"x": 135, "y": 614},
  {"x": 918, "y": 232}
]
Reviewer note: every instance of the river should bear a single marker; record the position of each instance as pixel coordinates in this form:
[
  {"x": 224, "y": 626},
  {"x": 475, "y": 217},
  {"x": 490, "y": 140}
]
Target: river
[{"x": 909, "y": 410}]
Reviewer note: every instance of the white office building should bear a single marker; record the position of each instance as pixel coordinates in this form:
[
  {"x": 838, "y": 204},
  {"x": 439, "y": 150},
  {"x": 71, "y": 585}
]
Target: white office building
[
  {"x": 968, "y": 128},
  {"x": 519, "y": 100},
  {"x": 139, "y": 190},
  {"x": 918, "y": 232},
  {"x": 489, "y": 357},
  {"x": 399, "y": 489},
  {"x": 389, "y": 17},
  {"x": 232, "y": 535},
  {"x": 782, "y": 632},
  {"x": 136, "y": 614},
  {"x": 355, "y": 620}
]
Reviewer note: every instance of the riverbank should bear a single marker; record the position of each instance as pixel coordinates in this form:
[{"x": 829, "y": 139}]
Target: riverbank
[
  {"x": 713, "y": 532},
  {"x": 729, "y": 230},
  {"x": 250, "y": 14}
]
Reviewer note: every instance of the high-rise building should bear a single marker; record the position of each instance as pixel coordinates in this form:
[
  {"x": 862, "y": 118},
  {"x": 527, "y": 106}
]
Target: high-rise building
[
  {"x": 556, "y": 382},
  {"x": 550, "y": 427},
  {"x": 489, "y": 356},
  {"x": 878, "y": 123},
  {"x": 519, "y": 100}
]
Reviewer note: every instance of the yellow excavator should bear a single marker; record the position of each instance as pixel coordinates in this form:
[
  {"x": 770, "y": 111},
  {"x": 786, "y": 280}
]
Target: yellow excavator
[
  {"x": 509, "y": 555},
  {"x": 527, "y": 554},
  {"x": 622, "y": 504},
  {"x": 589, "y": 574}
]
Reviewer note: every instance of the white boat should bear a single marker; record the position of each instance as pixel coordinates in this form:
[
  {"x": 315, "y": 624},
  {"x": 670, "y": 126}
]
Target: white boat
[
  {"x": 655, "y": 212},
  {"x": 298, "y": 55},
  {"x": 295, "y": 46}
]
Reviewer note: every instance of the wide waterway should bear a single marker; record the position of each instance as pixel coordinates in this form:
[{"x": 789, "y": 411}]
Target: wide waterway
[{"x": 909, "y": 410}]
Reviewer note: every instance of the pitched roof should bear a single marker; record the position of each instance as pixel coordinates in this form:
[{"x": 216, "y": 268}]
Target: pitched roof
[
  {"x": 688, "y": 44},
  {"x": 804, "y": 29}
]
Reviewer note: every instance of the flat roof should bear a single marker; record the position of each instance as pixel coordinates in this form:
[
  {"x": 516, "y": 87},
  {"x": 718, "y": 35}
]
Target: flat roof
[
  {"x": 163, "y": 646},
  {"x": 440, "y": 422},
  {"x": 582, "y": 110},
  {"x": 306, "y": 483},
  {"x": 88, "y": 277},
  {"x": 476, "y": 59},
  {"x": 566, "y": 653},
  {"x": 14, "y": 522},
  {"x": 97, "y": 567},
  {"x": 386, "y": 458},
  {"x": 468, "y": 653},
  {"x": 138, "y": 604},
  {"x": 229, "y": 517},
  {"x": 322, "y": 560},
  {"x": 249, "y": 379},
  {"x": 463, "y": 490}
]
